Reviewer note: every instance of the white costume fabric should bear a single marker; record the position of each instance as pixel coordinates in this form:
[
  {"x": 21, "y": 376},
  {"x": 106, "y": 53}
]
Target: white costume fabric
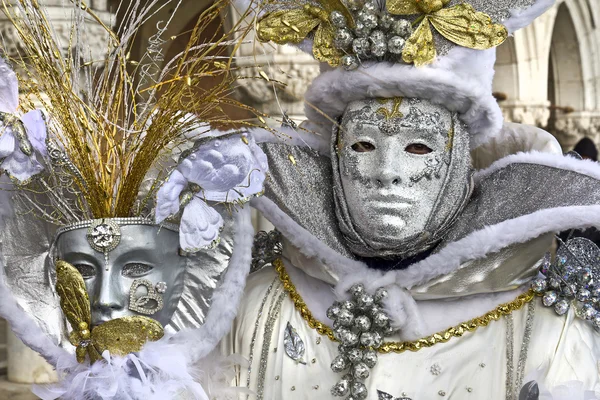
[{"x": 465, "y": 306}]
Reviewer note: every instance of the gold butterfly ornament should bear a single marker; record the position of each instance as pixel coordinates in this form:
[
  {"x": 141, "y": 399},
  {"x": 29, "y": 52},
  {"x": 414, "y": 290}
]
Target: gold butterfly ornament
[
  {"x": 119, "y": 336},
  {"x": 347, "y": 36}
]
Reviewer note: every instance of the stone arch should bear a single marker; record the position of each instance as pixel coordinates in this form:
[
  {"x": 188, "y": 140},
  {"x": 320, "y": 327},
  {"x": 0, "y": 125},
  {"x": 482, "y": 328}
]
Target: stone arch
[
  {"x": 506, "y": 79},
  {"x": 565, "y": 77},
  {"x": 574, "y": 73}
]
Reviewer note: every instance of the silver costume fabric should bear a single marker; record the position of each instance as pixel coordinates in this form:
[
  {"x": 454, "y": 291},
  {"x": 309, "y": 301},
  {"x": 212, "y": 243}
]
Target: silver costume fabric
[
  {"x": 455, "y": 190},
  {"x": 516, "y": 190}
]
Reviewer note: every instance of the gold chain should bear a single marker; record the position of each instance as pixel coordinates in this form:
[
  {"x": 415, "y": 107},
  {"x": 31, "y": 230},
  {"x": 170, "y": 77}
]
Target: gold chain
[{"x": 400, "y": 347}]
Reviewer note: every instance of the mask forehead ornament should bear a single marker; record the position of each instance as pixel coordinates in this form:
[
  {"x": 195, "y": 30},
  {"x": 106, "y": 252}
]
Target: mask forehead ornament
[{"x": 104, "y": 236}]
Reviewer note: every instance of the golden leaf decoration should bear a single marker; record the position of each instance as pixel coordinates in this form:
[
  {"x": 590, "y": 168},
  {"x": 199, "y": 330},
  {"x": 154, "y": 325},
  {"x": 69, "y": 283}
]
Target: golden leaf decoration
[
  {"x": 119, "y": 336},
  {"x": 323, "y": 48},
  {"x": 461, "y": 24},
  {"x": 294, "y": 25},
  {"x": 419, "y": 48},
  {"x": 466, "y": 27},
  {"x": 123, "y": 336},
  {"x": 286, "y": 26},
  {"x": 74, "y": 300}
]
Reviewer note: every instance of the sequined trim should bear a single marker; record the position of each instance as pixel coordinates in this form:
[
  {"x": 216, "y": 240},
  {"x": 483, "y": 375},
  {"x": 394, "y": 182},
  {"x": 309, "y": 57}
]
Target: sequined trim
[
  {"x": 514, "y": 384},
  {"x": 400, "y": 347},
  {"x": 272, "y": 316},
  {"x": 256, "y": 325}
]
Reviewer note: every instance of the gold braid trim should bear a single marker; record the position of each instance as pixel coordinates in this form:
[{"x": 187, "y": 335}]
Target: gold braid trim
[{"x": 400, "y": 347}]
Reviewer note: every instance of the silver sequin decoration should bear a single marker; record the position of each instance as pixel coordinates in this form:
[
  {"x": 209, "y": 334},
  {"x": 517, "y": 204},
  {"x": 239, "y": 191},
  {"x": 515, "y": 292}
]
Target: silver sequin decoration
[{"x": 293, "y": 344}]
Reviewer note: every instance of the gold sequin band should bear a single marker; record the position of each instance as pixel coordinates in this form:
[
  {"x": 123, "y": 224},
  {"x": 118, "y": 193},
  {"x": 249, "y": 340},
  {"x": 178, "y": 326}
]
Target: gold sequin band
[{"x": 400, "y": 347}]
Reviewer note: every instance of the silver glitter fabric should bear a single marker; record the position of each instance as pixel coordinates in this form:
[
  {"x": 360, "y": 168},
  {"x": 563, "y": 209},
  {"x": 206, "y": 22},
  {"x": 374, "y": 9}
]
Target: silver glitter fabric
[
  {"x": 303, "y": 191},
  {"x": 522, "y": 189},
  {"x": 390, "y": 202},
  {"x": 572, "y": 280}
]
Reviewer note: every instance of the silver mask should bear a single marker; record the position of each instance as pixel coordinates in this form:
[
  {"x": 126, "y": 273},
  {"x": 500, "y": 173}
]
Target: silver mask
[
  {"x": 401, "y": 176},
  {"x": 139, "y": 253}
]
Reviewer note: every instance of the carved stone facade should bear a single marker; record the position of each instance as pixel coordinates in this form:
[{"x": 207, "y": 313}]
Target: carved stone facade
[{"x": 549, "y": 73}]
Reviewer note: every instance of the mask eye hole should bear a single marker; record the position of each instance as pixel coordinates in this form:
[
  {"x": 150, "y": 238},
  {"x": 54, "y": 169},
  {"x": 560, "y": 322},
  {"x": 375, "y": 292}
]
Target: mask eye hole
[
  {"x": 87, "y": 271},
  {"x": 136, "y": 270},
  {"x": 417, "y": 148},
  {"x": 363, "y": 147}
]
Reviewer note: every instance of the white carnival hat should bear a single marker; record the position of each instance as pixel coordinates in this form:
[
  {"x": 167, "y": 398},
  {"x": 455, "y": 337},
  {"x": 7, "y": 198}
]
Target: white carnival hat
[{"x": 439, "y": 50}]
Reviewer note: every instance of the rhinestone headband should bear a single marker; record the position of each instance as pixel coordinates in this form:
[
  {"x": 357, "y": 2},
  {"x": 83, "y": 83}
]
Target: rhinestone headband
[{"x": 118, "y": 221}]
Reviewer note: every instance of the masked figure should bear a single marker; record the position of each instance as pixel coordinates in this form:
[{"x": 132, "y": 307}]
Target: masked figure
[{"x": 409, "y": 262}]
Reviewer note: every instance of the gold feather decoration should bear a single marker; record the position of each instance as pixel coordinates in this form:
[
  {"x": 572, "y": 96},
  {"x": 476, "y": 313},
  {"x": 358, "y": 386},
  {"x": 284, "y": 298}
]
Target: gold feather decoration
[
  {"x": 460, "y": 24},
  {"x": 119, "y": 336},
  {"x": 110, "y": 121},
  {"x": 296, "y": 24}
]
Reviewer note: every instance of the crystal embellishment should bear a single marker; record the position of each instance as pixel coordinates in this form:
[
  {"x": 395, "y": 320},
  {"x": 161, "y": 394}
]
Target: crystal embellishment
[
  {"x": 386, "y": 396},
  {"x": 572, "y": 280},
  {"x": 104, "y": 235},
  {"x": 360, "y": 325},
  {"x": 293, "y": 344}
]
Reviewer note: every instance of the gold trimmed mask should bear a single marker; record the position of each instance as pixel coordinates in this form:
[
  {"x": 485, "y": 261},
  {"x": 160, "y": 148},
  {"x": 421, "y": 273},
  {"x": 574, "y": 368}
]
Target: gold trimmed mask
[{"x": 119, "y": 336}]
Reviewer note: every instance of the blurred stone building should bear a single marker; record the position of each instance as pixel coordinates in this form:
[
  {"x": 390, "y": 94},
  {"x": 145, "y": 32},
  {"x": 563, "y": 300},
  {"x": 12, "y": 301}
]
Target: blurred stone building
[{"x": 546, "y": 75}]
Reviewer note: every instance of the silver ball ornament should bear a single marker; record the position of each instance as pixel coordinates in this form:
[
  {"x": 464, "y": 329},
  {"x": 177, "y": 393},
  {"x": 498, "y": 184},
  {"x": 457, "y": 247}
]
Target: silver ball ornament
[
  {"x": 539, "y": 285},
  {"x": 354, "y": 355},
  {"x": 549, "y": 298},
  {"x": 338, "y": 19},
  {"x": 369, "y": 20},
  {"x": 561, "y": 307},
  {"x": 365, "y": 301},
  {"x": 348, "y": 305},
  {"x": 370, "y": 8},
  {"x": 345, "y": 317},
  {"x": 378, "y": 43},
  {"x": 381, "y": 320},
  {"x": 386, "y": 21},
  {"x": 349, "y": 339},
  {"x": 583, "y": 295},
  {"x": 357, "y": 289},
  {"x": 339, "y": 364},
  {"x": 359, "y": 390},
  {"x": 360, "y": 30},
  {"x": 402, "y": 27},
  {"x": 361, "y": 48},
  {"x": 396, "y": 45},
  {"x": 341, "y": 388},
  {"x": 343, "y": 38},
  {"x": 349, "y": 62},
  {"x": 362, "y": 323},
  {"x": 333, "y": 311},
  {"x": 360, "y": 371},
  {"x": 369, "y": 357}
]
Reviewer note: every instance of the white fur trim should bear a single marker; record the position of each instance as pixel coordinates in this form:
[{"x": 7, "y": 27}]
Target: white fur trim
[
  {"x": 460, "y": 81},
  {"x": 521, "y": 18}
]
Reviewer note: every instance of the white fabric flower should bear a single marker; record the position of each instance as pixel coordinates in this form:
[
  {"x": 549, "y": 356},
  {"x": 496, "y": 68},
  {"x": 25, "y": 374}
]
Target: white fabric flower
[
  {"x": 17, "y": 164},
  {"x": 227, "y": 169}
]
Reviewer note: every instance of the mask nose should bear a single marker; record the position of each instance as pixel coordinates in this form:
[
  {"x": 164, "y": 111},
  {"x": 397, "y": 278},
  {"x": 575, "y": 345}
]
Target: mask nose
[
  {"x": 387, "y": 177},
  {"x": 107, "y": 299}
]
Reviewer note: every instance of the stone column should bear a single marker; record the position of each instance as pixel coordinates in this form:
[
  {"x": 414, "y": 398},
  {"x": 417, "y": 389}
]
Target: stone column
[{"x": 22, "y": 364}]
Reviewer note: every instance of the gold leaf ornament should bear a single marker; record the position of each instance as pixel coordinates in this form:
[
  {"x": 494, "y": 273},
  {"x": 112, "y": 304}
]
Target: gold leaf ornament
[
  {"x": 119, "y": 336},
  {"x": 295, "y": 25},
  {"x": 461, "y": 24}
]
